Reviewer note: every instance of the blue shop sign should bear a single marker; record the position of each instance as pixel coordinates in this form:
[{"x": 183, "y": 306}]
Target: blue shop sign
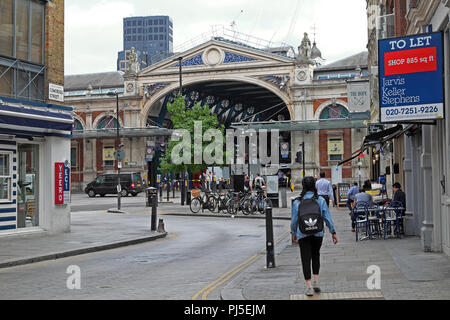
[{"x": 411, "y": 78}]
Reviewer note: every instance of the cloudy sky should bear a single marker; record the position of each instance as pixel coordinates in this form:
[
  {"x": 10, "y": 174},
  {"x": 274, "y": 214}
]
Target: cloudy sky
[{"x": 93, "y": 29}]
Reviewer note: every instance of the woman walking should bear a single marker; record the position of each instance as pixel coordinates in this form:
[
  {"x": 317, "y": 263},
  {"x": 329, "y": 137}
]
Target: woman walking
[{"x": 310, "y": 244}]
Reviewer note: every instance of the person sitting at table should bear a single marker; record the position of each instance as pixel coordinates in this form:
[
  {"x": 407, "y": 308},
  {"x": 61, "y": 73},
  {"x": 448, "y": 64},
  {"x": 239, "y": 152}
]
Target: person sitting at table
[
  {"x": 351, "y": 195},
  {"x": 399, "y": 195},
  {"x": 361, "y": 198}
]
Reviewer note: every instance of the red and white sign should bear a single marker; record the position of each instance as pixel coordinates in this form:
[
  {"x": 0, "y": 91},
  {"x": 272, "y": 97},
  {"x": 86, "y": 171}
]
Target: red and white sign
[
  {"x": 410, "y": 61},
  {"x": 59, "y": 183}
]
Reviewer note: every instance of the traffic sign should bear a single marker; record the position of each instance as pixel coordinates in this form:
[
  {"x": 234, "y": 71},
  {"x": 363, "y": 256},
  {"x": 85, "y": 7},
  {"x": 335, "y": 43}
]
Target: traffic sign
[{"x": 119, "y": 155}]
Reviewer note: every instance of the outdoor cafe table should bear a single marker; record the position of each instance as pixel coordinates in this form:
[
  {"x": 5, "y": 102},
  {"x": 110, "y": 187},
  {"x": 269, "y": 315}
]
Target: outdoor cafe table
[{"x": 381, "y": 210}]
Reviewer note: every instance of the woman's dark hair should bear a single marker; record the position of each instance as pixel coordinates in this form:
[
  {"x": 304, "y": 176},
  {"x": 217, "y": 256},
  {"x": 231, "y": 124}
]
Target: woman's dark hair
[{"x": 309, "y": 184}]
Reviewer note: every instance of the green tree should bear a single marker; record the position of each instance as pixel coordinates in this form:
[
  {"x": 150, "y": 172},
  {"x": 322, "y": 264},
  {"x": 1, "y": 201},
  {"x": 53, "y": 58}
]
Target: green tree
[{"x": 186, "y": 119}]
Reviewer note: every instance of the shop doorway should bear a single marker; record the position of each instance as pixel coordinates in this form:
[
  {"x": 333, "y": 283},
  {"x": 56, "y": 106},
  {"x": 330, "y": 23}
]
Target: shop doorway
[{"x": 28, "y": 186}]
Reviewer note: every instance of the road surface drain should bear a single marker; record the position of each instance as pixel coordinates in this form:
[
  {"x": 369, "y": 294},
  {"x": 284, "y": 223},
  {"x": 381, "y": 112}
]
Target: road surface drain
[{"x": 340, "y": 296}]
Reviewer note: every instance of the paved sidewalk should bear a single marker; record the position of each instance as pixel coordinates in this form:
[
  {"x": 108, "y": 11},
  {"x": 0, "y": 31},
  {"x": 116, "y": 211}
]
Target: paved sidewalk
[
  {"x": 90, "y": 232},
  {"x": 406, "y": 271}
]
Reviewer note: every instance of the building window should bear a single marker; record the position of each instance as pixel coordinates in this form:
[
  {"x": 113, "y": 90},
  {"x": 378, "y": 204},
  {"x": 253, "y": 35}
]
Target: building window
[
  {"x": 73, "y": 157},
  {"x": 22, "y": 39},
  {"x": 5, "y": 176},
  {"x": 334, "y": 112},
  {"x": 150, "y": 22},
  {"x": 335, "y": 157},
  {"x": 108, "y": 122}
]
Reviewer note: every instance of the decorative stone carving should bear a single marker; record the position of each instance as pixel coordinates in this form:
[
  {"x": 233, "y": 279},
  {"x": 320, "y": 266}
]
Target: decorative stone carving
[
  {"x": 213, "y": 57},
  {"x": 133, "y": 63},
  {"x": 304, "y": 51}
]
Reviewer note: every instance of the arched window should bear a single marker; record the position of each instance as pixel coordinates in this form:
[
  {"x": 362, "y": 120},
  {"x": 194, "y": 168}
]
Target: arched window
[
  {"x": 334, "y": 112},
  {"x": 108, "y": 122},
  {"x": 77, "y": 126}
]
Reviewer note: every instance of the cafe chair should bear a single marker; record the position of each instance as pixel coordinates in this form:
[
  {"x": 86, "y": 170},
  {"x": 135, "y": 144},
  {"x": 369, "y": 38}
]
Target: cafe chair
[
  {"x": 361, "y": 214},
  {"x": 375, "y": 220},
  {"x": 393, "y": 217}
]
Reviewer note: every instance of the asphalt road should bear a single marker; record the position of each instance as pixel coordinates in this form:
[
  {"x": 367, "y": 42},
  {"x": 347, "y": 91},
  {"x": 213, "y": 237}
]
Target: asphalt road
[{"x": 197, "y": 252}]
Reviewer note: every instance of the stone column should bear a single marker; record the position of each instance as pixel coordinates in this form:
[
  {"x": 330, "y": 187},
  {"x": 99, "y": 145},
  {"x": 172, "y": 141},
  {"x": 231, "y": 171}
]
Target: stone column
[{"x": 427, "y": 190}]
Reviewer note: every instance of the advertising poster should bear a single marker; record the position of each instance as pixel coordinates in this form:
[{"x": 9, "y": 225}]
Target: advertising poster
[{"x": 411, "y": 78}]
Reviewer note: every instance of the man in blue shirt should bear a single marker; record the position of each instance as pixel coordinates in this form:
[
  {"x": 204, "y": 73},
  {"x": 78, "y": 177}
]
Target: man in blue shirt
[
  {"x": 351, "y": 195},
  {"x": 325, "y": 189}
]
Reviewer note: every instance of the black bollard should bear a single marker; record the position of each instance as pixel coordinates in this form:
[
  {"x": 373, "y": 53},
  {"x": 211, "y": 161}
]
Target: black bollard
[
  {"x": 270, "y": 246},
  {"x": 168, "y": 190},
  {"x": 154, "y": 212}
]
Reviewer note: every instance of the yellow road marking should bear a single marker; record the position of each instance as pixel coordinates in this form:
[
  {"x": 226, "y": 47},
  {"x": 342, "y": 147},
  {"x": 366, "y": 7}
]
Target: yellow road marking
[{"x": 228, "y": 275}]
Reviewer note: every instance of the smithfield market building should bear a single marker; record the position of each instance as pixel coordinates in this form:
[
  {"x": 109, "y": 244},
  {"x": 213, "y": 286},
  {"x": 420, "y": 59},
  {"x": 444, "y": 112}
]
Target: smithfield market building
[{"x": 249, "y": 84}]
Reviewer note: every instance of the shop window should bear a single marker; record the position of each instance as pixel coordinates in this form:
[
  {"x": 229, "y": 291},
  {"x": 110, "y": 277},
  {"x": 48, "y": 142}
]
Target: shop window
[
  {"x": 28, "y": 186},
  {"x": 5, "y": 176}
]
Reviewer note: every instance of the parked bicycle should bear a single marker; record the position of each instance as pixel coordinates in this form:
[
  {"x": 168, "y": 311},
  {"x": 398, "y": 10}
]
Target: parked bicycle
[
  {"x": 258, "y": 203},
  {"x": 200, "y": 202}
]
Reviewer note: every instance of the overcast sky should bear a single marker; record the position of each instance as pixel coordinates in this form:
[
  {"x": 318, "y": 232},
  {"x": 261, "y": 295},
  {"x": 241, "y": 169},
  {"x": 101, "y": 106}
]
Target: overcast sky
[{"x": 93, "y": 29}]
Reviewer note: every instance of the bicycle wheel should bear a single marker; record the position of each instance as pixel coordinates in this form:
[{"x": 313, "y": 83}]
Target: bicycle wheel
[
  {"x": 266, "y": 203},
  {"x": 196, "y": 205},
  {"x": 232, "y": 206},
  {"x": 211, "y": 203},
  {"x": 246, "y": 207}
]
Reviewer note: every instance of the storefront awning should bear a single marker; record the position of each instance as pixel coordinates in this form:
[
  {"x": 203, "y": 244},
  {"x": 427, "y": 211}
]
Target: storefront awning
[
  {"x": 33, "y": 121},
  {"x": 379, "y": 138}
]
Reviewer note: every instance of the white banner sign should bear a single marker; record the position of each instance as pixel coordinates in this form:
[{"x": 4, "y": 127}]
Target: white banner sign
[{"x": 358, "y": 96}]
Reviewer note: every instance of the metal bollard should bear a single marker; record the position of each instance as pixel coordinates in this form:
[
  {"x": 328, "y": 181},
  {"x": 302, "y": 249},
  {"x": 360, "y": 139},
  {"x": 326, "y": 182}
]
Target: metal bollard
[
  {"x": 161, "y": 226},
  {"x": 154, "y": 213},
  {"x": 283, "y": 198},
  {"x": 188, "y": 197},
  {"x": 270, "y": 246},
  {"x": 168, "y": 190}
]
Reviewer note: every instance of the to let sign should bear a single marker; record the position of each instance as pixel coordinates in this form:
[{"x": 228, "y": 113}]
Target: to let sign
[{"x": 411, "y": 78}]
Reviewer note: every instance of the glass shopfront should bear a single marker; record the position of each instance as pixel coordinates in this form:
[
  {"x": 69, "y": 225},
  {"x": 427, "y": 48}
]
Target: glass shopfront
[{"x": 28, "y": 186}]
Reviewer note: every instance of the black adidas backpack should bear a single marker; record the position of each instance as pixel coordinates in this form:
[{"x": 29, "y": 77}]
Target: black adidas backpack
[{"x": 310, "y": 220}]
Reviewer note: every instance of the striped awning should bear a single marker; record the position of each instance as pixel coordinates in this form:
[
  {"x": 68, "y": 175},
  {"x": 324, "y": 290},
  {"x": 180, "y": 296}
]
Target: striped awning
[{"x": 32, "y": 121}]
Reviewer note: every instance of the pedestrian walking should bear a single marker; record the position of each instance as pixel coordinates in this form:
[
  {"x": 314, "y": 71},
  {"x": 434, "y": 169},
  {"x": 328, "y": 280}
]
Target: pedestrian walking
[
  {"x": 259, "y": 182},
  {"x": 310, "y": 244},
  {"x": 247, "y": 183},
  {"x": 325, "y": 189}
]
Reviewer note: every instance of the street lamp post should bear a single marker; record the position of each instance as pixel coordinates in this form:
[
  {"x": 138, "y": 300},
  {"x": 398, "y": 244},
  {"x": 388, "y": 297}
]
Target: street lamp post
[
  {"x": 119, "y": 186},
  {"x": 183, "y": 187}
]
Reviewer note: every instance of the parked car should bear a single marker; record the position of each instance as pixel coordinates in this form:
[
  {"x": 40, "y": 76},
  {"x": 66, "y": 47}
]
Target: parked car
[{"x": 131, "y": 183}]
